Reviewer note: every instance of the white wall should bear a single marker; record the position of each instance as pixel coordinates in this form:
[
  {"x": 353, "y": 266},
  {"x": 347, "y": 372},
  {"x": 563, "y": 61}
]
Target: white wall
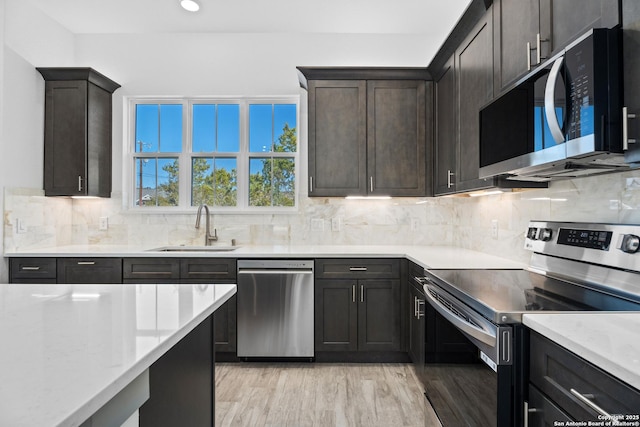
[{"x": 29, "y": 39}]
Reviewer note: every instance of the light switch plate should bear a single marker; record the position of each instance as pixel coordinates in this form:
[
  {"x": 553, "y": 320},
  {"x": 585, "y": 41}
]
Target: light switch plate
[{"x": 336, "y": 224}]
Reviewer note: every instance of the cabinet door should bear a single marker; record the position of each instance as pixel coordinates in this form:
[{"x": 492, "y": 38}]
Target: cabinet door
[
  {"x": 417, "y": 332},
  {"x": 151, "y": 270},
  {"x": 446, "y": 132},
  {"x": 32, "y": 270},
  {"x": 208, "y": 270},
  {"x": 337, "y": 137},
  {"x": 566, "y": 20},
  {"x": 336, "y": 315},
  {"x": 65, "y": 144},
  {"x": 396, "y": 137},
  {"x": 631, "y": 71},
  {"x": 542, "y": 412},
  {"x": 474, "y": 72},
  {"x": 379, "y": 315},
  {"x": 517, "y": 23},
  {"x": 225, "y": 330},
  {"x": 89, "y": 270}
]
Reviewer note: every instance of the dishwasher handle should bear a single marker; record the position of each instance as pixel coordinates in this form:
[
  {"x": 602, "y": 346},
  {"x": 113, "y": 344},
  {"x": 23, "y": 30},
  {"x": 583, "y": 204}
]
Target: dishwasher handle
[{"x": 274, "y": 271}]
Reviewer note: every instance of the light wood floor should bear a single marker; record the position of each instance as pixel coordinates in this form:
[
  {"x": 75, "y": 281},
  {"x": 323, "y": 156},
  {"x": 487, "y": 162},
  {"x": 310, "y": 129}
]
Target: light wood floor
[{"x": 317, "y": 394}]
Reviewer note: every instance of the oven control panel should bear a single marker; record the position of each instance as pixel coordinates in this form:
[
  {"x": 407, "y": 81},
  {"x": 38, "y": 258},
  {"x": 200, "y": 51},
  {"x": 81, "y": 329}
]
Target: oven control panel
[
  {"x": 590, "y": 239},
  {"x": 614, "y": 245}
]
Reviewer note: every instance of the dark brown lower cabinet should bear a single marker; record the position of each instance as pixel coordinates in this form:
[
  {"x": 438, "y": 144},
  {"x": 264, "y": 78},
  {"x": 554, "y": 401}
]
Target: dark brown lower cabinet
[
  {"x": 89, "y": 270},
  {"x": 565, "y": 381},
  {"x": 357, "y": 315},
  {"x": 181, "y": 383}
]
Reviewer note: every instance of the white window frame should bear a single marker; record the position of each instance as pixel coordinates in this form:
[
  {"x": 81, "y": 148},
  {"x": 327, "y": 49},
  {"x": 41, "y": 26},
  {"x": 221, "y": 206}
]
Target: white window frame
[{"x": 186, "y": 156}]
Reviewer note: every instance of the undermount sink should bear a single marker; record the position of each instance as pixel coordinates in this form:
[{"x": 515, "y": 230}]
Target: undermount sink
[{"x": 194, "y": 249}]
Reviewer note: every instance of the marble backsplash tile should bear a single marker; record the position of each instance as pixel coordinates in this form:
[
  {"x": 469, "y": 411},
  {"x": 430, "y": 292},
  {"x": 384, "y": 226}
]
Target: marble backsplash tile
[{"x": 458, "y": 221}]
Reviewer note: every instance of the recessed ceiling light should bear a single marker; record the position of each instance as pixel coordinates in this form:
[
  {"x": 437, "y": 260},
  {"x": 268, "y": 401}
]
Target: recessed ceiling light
[{"x": 190, "y": 5}]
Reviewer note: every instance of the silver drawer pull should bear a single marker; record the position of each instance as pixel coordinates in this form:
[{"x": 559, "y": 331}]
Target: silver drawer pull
[
  {"x": 28, "y": 268},
  {"x": 357, "y": 268},
  {"x": 586, "y": 399},
  {"x": 86, "y": 263}
]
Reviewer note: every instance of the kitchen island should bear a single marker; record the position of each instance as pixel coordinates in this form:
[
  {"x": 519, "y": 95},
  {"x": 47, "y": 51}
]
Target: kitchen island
[{"x": 75, "y": 352}]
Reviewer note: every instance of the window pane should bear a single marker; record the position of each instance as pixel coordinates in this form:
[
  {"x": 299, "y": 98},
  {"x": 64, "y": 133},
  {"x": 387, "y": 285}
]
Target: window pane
[
  {"x": 260, "y": 128},
  {"x": 145, "y": 192},
  {"x": 147, "y": 118},
  {"x": 283, "y": 182},
  {"x": 271, "y": 182},
  {"x": 170, "y": 128},
  {"x": 167, "y": 182},
  {"x": 201, "y": 181},
  {"x": 284, "y": 127},
  {"x": 204, "y": 128},
  {"x": 228, "y": 128},
  {"x": 225, "y": 182},
  {"x": 214, "y": 181},
  {"x": 260, "y": 182}
]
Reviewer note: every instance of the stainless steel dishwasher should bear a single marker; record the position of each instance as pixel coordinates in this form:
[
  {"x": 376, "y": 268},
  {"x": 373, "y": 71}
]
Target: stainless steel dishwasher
[{"x": 275, "y": 309}]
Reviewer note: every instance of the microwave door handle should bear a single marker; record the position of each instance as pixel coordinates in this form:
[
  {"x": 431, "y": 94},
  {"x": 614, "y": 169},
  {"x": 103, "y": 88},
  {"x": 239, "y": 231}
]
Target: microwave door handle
[{"x": 549, "y": 102}]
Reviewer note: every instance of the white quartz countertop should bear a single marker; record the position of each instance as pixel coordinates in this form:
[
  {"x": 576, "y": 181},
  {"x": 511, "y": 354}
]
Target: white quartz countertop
[
  {"x": 66, "y": 350},
  {"x": 426, "y": 256},
  {"x": 609, "y": 340}
]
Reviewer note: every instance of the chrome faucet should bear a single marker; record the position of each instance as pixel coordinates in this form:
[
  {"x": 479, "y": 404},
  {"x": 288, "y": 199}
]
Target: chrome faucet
[{"x": 208, "y": 238}]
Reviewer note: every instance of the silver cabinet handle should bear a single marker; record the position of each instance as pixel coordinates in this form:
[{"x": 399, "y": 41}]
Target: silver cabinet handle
[
  {"x": 361, "y": 293},
  {"x": 415, "y": 306},
  {"x": 86, "y": 263},
  {"x": 528, "y": 411},
  {"x": 310, "y": 184},
  {"x": 79, "y": 183},
  {"x": 353, "y": 293},
  {"x": 449, "y": 176},
  {"x": 625, "y": 128},
  {"x": 357, "y": 268},
  {"x": 420, "y": 313},
  {"x": 539, "y": 41},
  {"x": 29, "y": 268},
  {"x": 586, "y": 399},
  {"x": 549, "y": 102},
  {"x": 528, "y": 56},
  {"x": 371, "y": 183}
]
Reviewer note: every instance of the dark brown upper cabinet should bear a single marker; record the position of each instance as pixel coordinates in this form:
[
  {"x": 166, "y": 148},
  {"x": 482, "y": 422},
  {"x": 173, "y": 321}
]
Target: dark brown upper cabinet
[
  {"x": 77, "y": 137},
  {"x": 529, "y": 31},
  {"x": 369, "y": 131}
]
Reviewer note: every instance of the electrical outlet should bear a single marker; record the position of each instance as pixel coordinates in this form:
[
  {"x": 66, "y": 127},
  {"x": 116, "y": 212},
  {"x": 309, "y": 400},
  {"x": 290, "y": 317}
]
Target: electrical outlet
[
  {"x": 494, "y": 228},
  {"x": 317, "y": 224},
  {"x": 104, "y": 223},
  {"x": 415, "y": 223},
  {"x": 336, "y": 224}
]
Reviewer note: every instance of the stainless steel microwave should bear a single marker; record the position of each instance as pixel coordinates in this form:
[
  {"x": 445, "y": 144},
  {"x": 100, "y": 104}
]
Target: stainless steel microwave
[{"x": 562, "y": 120}]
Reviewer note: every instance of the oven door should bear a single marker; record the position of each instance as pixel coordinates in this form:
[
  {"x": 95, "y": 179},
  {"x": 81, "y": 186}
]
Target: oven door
[{"x": 472, "y": 394}]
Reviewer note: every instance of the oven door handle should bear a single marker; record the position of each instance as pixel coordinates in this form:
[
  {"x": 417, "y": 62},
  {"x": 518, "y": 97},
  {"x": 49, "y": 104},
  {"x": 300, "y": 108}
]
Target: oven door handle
[{"x": 487, "y": 331}]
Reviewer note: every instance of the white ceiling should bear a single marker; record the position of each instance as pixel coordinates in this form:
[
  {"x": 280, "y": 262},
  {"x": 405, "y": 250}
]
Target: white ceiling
[{"x": 426, "y": 17}]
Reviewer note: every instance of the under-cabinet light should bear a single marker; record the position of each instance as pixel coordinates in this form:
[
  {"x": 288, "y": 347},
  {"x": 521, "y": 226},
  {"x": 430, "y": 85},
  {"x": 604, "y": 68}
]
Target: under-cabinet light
[
  {"x": 368, "y": 197},
  {"x": 485, "y": 193},
  {"x": 190, "y": 5}
]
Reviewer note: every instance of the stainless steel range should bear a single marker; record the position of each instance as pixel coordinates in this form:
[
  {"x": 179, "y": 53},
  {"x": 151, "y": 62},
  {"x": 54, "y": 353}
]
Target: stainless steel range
[{"x": 574, "y": 267}]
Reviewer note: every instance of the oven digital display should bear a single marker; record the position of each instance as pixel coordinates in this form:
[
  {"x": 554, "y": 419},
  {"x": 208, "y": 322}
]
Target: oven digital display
[{"x": 590, "y": 239}]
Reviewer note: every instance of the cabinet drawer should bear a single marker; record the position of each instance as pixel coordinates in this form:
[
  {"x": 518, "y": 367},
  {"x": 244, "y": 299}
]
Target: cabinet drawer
[
  {"x": 151, "y": 268},
  {"x": 345, "y": 268},
  {"x": 32, "y": 268},
  {"x": 556, "y": 372},
  {"x": 541, "y": 411},
  {"x": 89, "y": 270},
  {"x": 207, "y": 269}
]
